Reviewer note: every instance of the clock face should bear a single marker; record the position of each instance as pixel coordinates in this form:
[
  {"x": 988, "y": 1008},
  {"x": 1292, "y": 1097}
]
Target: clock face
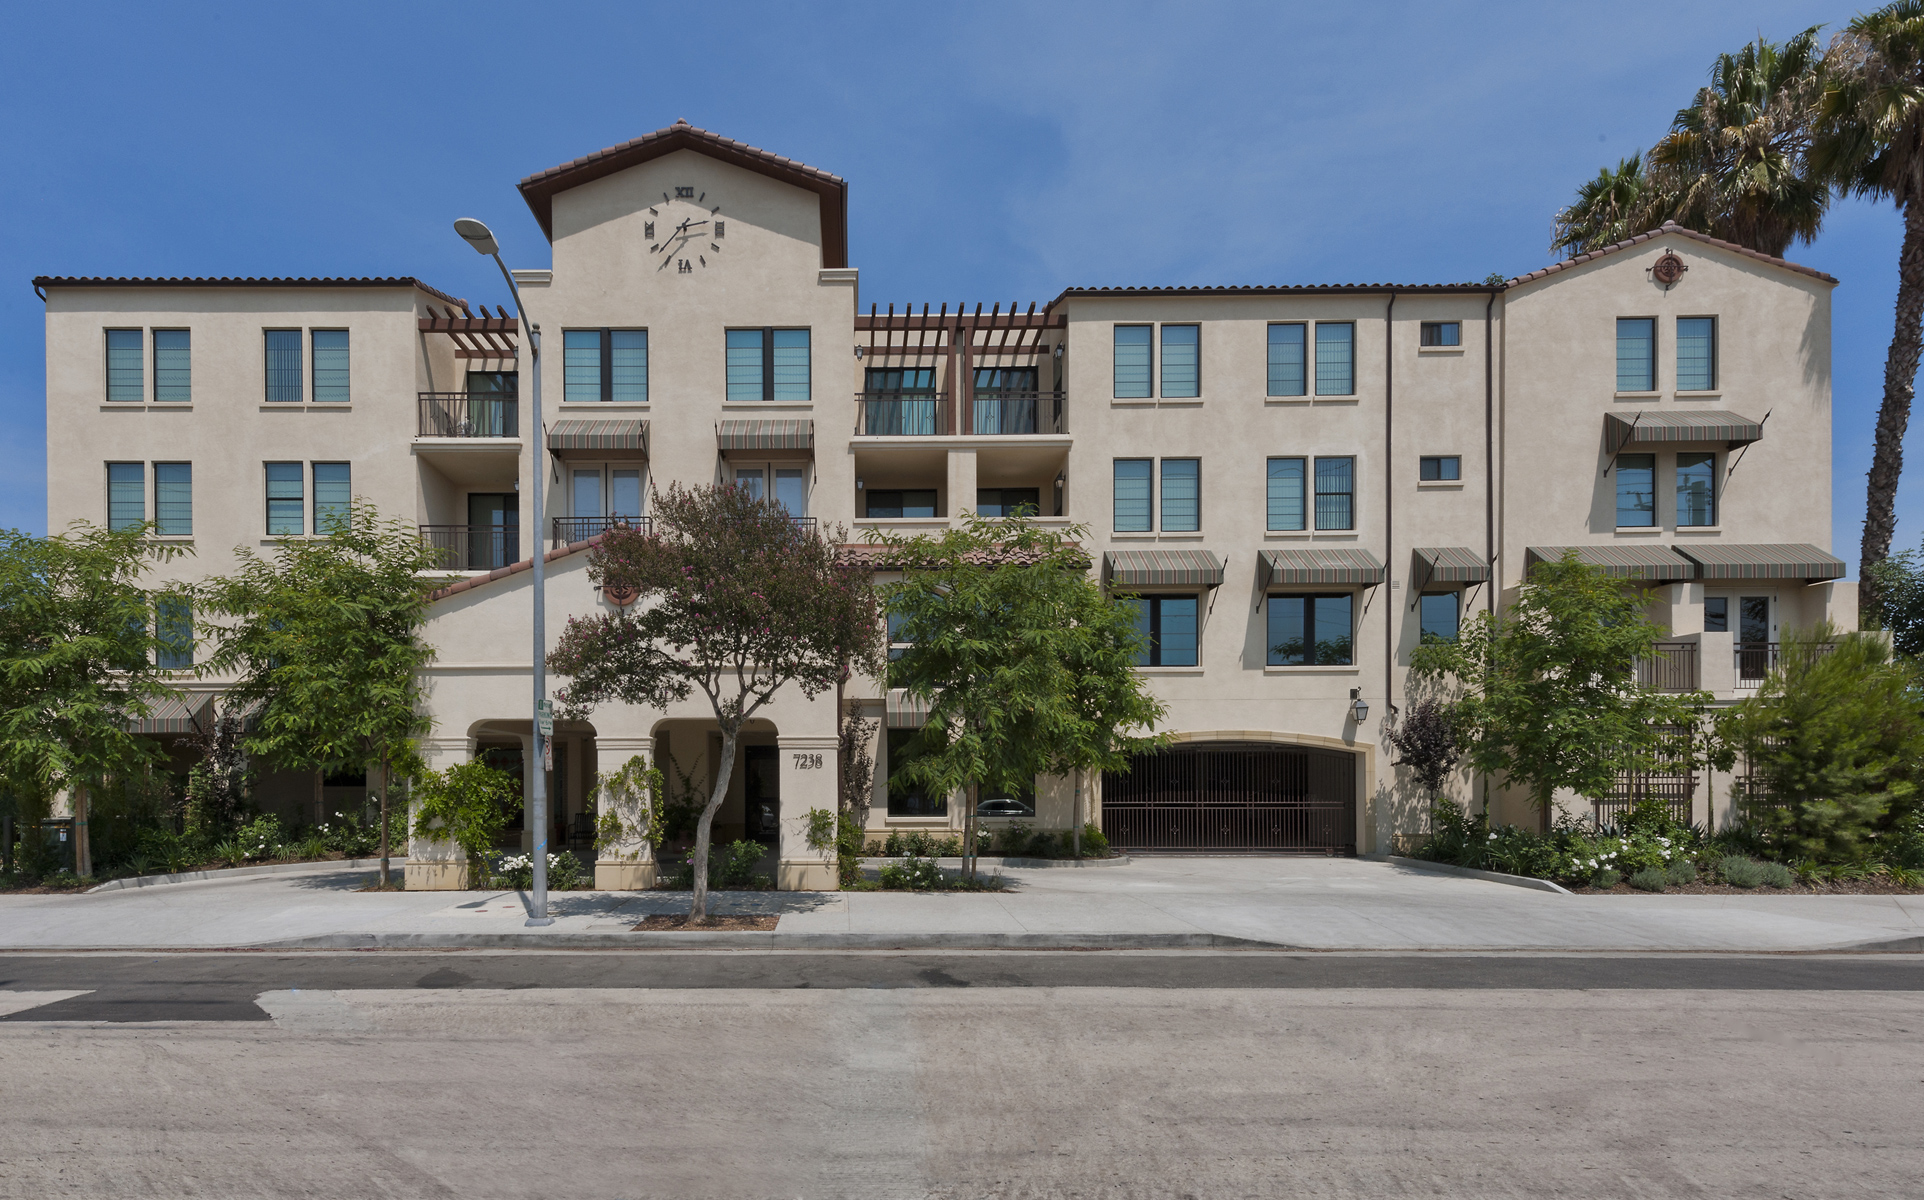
[{"x": 685, "y": 231}]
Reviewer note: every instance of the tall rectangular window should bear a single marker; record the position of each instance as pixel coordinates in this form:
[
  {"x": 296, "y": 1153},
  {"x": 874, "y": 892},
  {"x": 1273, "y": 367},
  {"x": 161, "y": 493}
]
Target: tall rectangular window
[
  {"x": 174, "y": 630},
  {"x": 1696, "y": 489},
  {"x": 174, "y": 499},
  {"x": 1134, "y": 350},
  {"x": 581, "y": 366},
  {"x": 1134, "y": 494},
  {"x": 1440, "y": 333},
  {"x": 1311, "y": 631},
  {"x": 1287, "y": 509},
  {"x": 173, "y": 366},
  {"x": 628, "y": 366},
  {"x": 745, "y": 376},
  {"x": 333, "y": 491},
  {"x": 1286, "y": 359},
  {"x": 1170, "y": 628},
  {"x": 1335, "y": 360},
  {"x": 1636, "y": 354},
  {"x": 330, "y": 366},
  {"x": 286, "y": 499},
  {"x": 1441, "y": 616},
  {"x": 789, "y": 366},
  {"x": 284, "y": 366},
  {"x": 126, "y": 495},
  {"x": 1636, "y": 490},
  {"x": 1696, "y": 354},
  {"x": 624, "y": 492},
  {"x": 1181, "y": 495},
  {"x": 126, "y": 379},
  {"x": 1335, "y": 493},
  {"x": 1181, "y": 361}
]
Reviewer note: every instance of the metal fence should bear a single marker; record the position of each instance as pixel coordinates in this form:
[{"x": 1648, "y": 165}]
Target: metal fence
[
  {"x": 580, "y": 529},
  {"x": 1234, "y": 797},
  {"x": 473, "y": 547},
  {"x": 1017, "y": 413},
  {"x": 457, "y": 414},
  {"x": 901, "y": 414},
  {"x": 1756, "y": 660},
  {"x": 1671, "y": 667}
]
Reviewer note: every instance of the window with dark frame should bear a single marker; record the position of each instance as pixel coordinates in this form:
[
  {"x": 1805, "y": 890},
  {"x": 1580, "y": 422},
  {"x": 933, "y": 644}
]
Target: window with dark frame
[
  {"x": 1636, "y": 491},
  {"x": 1440, "y": 333},
  {"x": 330, "y": 366},
  {"x": 899, "y": 503},
  {"x": 1181, "y": 495},
  {"x": 1008, "y": 501},
  {"x": 1171, "y": 625},
  {"x": 126, "y": 378},
  {"x": 1134, "y": 355},
  {"x": 173, "y": 366},
  {"x": 283, "y": 349},
  {"x": 333, "y": 496},
  {"x": 286, "y": 499},
  {"x": 1636, "y": 354},
  {"x": 1288, "y": 507},
  {"x": 1439, "y": 616},
  {"x": 1696, "y": 489},
  {"x": 768, "y": 365},
  {"x": 1716, "y": 614},
  {"x": 604, "y": 366},
  {"x": 1286, "y": 360},
  {"x": 1335, "y": 358},
  {"x": 174, "y": 630},
  {"x": 1335, "y": 493},
  {"x": 126, "y": 494},
  {"x": 1696, "y": 354},
  {"x": 909, "y": 801},
  {"x": 1312, "y": 630},
  {"x": 1134, "y": 495},
  {"x": 1181, "y": 362},
  {"x": 1439, "y": 468},
  {"x": 174, "y": 499}
]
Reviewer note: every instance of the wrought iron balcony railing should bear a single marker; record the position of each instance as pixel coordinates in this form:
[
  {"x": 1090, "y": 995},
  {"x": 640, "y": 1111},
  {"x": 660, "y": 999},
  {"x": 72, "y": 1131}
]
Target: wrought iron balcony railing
[
  {"x": 580, "y": 529},
  {"x": 457, "y": 414},
  {"x": 901, "y": 414},
  {"x": 1017, "y": 412},
  {"x": 1671, "y": 667},
  {"x": 473, "y": 547}
]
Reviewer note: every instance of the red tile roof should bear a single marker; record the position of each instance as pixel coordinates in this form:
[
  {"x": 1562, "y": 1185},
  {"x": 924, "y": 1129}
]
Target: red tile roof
[
  {"x": 526, "y": 564},
  {"x": 1669, "y": 227},
  {"x": 243, "y": 281}
]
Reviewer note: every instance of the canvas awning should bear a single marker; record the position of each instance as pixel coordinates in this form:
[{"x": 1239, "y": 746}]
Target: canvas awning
[
  {"x": 1685, "y": 425},
  {"x": 1321, "y": 565},
  {"x": 600, "y": 435},
  {"x": 905, "y": 711},
  {"x": 1723, "y": 560},
  {"x": 1448, "y": 564},
  {"x": 1163, "y": 568},
  {"x": 766, "y": 435},
  {"x": 1648, "y": 561},
  {"x": 192, "y": 712}
]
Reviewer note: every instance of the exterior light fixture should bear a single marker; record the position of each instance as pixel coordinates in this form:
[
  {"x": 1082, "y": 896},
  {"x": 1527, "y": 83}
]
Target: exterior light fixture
[
  {"x": 858, "y": 352},
  {"x": 1359, "y": 708},
  {"x": 858, "y": 483}
]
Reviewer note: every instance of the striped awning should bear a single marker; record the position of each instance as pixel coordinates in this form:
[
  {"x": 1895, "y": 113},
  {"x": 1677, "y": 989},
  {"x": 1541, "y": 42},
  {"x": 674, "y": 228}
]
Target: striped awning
[
  {"x": 1333, "y": 564},
  {"x": 628, "y": 434},
  {"x": 905, "y": 711},
  {"x": 1163, "y": 568},
  {"x": 766, "y": 435},
  {"x": 1450, "y": 564},
  {"x": 188, "y": 713},
  {"x": 1648, "y": 561},
  {"x": 1686, "y": 425},
  {"x": 1722, "y": 560}
]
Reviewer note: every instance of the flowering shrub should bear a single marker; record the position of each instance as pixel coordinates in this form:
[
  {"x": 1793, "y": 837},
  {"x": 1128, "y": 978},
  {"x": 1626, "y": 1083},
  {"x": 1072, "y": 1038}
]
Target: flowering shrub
[
  {"x": 516, "y": 871},
  {"x": 1648, "y": 838}
]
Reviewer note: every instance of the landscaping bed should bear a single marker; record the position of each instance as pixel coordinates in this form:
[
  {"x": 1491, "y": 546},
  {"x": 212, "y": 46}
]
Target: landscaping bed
[
  {"x": 1874, "y": 886},
  {"x": 739, "y": 923}
]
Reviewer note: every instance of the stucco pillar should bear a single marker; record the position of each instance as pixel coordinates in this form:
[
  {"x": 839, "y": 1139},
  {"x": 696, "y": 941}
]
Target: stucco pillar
[
  {"x": 629, "y": 864},
  {"x": 961, "y": 483},
  {"x": 436, "y": 864},
  {"x": 808, "y": 772}
]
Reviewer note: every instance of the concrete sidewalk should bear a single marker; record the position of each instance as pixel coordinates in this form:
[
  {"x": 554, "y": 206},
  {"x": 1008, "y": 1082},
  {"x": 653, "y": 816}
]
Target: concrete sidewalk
[{"x": 1319, "y": 904}]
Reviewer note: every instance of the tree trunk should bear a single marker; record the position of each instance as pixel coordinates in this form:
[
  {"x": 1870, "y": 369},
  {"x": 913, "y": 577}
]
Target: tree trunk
[
  {"x": 1075, "y": 814},
  {"x": 698, "y": 906},
  {"x": 1900, "y": 384},
  {"x": 387, "y": 785}
]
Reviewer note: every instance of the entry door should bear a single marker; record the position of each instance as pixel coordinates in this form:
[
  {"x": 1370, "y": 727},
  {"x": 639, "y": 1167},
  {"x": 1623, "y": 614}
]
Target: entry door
[
  {"x": 762, "y": 792},
  {"x": 1755, "y": 643},
  {"x": 494, "y": 530}
]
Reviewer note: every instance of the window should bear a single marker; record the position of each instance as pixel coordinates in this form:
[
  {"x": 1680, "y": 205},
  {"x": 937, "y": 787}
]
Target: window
[
  {"x": 284, "y": 366},
  {"x": 1007, "y": 502},
  {"x": 581, "y": 366},
  {"x": 1181, "y": 361},
  {"x": 791, "y": 366},
  {"x": 174, "y": 499},
  {"x": 125, "y": 379},
  {"x": 745, "y": 375},
  {"x": 1636, "y": 490},
  {"x": 126, "y": 495},
  {"x": 1716, "y": 614},
  {"x": 1133, "y": 352},
  {"x": 1696, "y": 489},
  {"x": 624, "y": 491},
  {"x": 286, "y": 499},
  {"x": 603, "y": 365},
  {"x": 1336, "y": 360},
  {"x": 1440, "y": 333},
  {"x": 1439, "y": 615},
  {"x": 1636, "y": 354},
  {"x": 174, "y": 630},
  {"x": 898, "y": 645},
  {"x": 1435, "y": 468},
  {"x": 768, "y": 364},
  {"x": 1310, "y": 631},
  {"x": 993, "y": 383},
  {"x": 1696, "y": 354},
  {"x": 1169, "y": 623},
  {"x": 1134, "y": 492},
  {"x": 909, "y": 802},
  {"x": 628, "y": 366},
  {"x": 901, "y": 502},
  {"x": 1335, "y": 493},
  {"x": 1286, "y": 376},
  {"x": 906, "y": 381},
  {"x": 173, "y": 367},
  {"x": 1181, "y": 495},
  {"x": 330, "y": 366},
  {"x": 332, "y": 493},
  {"x": 992, "y": 803},
  {"x": 791, "y": 490},
  {"x": 1286, "y": 506}
]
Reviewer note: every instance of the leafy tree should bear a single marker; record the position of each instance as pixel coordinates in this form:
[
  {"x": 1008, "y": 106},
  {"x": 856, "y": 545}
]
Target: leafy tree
[
  {"x": 217, "y": 783},
  {"x": 1426, "y": 739},
  {"x": 1026, "y": 666},
  {"x": 1549, "y": 696},
  {"x": 324, "y": 637},
  {"x": 856, "y": 760},
  {"x": 1835, "y": 745},
  {"x": 78, "y": 660},
  {"x": 467, "y": 804},
  {"x": 1900, "y": 599},
  {"x": 734, "y": 600}
]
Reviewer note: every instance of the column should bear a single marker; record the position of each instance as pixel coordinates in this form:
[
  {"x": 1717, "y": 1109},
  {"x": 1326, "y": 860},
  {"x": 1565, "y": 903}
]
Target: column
[
  {"x": 628, "y": 863},
  {"x": 436, "y": 864},
  {"x": 808, "y": 775},
  {"x": 961, "y": 483}
]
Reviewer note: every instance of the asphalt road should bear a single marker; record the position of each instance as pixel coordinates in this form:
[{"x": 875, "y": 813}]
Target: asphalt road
[{"x": 747, "y": 1074}]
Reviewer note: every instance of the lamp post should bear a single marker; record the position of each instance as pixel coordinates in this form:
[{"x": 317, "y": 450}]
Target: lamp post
[{"x": 478, "y": 235}]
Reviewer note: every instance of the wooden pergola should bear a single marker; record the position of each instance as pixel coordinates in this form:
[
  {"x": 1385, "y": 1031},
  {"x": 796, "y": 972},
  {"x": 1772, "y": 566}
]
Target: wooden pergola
[
  {"x": 483, "y": 336},
  {"x": 958, "y": 343}
]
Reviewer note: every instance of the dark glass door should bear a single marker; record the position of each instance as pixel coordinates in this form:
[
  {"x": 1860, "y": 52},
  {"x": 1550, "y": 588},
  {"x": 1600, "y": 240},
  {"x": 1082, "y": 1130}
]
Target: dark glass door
[
  {"x": 1754, "y": 649},
  {"x": 762, "y": 792},
  {"x": 494, "y": 530}
]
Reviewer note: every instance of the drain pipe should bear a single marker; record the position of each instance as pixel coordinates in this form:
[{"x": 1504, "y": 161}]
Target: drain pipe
[
  {"x": 1393, "y": 609},
  {"x": 1489, "y": 451}
]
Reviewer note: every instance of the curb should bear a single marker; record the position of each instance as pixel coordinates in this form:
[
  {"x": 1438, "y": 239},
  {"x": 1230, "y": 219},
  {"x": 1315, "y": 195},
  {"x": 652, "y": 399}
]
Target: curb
[
  {"x": 752, "y": 940},
  {"x": 987, "y": 862},
  {"x": 1522, "y": 881},
  {"x": 338, "y": 864}
]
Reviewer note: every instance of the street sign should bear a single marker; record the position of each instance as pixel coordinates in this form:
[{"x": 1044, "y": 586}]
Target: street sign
[{"x": 544, "y": 717}]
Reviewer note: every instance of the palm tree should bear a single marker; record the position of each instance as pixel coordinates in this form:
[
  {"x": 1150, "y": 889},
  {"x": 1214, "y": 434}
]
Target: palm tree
[
  {"x": 1870, "y": 142},
  {"x": 1613, "y": 206}
]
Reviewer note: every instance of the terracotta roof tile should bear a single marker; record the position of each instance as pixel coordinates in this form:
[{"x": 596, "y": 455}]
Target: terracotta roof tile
[
  {"x": 1670, "y": 227},
  {"x": 244, "y": 281},
  {"x": 526, "y": 564}
]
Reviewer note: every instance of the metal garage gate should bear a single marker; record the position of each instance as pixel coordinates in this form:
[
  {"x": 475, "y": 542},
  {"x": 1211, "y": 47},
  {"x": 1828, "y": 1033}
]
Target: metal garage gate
[{"x": 1234, "y": 797}]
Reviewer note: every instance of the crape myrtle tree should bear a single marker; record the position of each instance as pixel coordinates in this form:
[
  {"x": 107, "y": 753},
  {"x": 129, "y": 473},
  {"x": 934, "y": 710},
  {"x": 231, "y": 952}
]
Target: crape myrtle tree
[
  {"x": 733, "y": 599},
  {"x": 1426, "y": 739},
  {"x": 1549, "y": 696},
  {"x": 324, "y": 639},
  {"x": 79, "y": 655},
  {"x": 1026, "y": 666}
]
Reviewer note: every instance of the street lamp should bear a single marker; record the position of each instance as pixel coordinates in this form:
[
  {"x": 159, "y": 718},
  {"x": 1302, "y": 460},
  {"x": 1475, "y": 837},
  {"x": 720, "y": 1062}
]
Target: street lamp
[{"x": 482, "y": 239}]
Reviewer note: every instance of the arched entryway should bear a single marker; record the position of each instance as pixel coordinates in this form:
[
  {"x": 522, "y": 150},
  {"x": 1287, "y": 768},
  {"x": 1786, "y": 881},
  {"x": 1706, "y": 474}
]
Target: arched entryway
[{"x": 1234, "y": 797}]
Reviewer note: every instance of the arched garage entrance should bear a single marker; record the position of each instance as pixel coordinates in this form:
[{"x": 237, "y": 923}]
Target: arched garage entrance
[{"x": 1234, "y": 797}]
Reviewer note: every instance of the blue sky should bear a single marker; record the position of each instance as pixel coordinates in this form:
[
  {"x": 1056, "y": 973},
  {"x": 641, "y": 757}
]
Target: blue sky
[{"x": 993, "y": 151}]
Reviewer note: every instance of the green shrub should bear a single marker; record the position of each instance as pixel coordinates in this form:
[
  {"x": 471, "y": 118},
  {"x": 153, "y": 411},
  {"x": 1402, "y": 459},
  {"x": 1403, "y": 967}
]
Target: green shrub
[
  {"x": 1606, "y": 879},
  {"x": 1777, "y": 875},
  {"x": 1680, "y": 872},
  {"x": 1649, "y": 879},
  {"x": 912, "y": 874},
  {"x": 1094, "y": 843},
  {"x": 1739, "y": 871},
  {"x": 892, "y": 847},
  {"x": 730, "y": 866},
  {"x": 230, "y": 853}
]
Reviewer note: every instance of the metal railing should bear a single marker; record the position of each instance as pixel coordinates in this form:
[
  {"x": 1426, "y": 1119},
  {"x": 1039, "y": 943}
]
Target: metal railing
[
  {"x": 473, "y": 547},
  {"x": 457, "y": 414},
  {"x": 1671, "y": 667},
  {"x": 1017, "y": 413},
  {"x": 580, "y": 529},
  {"x": 1234, "y": 797},
  {"x": 1756, "y": 660},
  {"x": 1677, "y": 791},
  {"x": 901, "y": 414}
]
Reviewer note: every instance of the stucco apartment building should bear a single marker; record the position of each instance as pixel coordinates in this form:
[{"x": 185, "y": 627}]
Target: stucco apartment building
[{"x": 1299, "y": 482}]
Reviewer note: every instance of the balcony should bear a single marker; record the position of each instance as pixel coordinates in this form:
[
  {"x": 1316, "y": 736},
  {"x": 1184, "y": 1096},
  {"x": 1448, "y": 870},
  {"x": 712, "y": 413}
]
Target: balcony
[
  {"x": 459, "y": 415},
  {"x": 1016, "y": 413},
  {"x": 1671, "y": 667},
  {"x": 900, "y": 414},
  {"x": 1756, "y": 660},
  {"x": 580, "y": 529},
  {"x": 473, "y": 547}
]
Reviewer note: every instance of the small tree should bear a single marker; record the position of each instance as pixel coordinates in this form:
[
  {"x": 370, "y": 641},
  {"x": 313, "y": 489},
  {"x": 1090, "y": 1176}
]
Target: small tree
[
  {"x": 1026, "y": 665},
  {"x": 1835, "y": 745},
  {"x": 325, "y": 639},
  {"x": 1550, "y": 696},
  {"x": 856, "y": 759},
  {"x": 1426, "y": 739},
  {"x": 217, "y": 783},
  {"x": 1900, "y": 599},
  {"x": 733, "y": 599},
  {"x": 468, "y": 805}
]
